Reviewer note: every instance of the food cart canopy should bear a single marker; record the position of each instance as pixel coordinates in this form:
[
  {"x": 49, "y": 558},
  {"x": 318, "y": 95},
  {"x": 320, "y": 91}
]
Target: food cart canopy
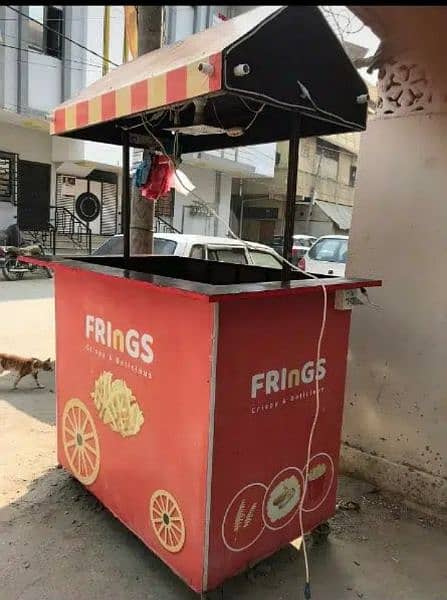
[{"x": 295, "y": 63}]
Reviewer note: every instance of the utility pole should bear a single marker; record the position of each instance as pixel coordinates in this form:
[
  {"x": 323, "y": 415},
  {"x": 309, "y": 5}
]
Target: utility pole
[
  {"x": 106, "y": 41},
  {"x": 314, "y": 193},
  {"x": 150, "y": 37}
]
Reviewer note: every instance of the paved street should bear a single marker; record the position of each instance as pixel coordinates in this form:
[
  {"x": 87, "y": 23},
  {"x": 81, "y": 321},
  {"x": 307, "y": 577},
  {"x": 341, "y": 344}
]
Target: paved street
[{"x": 57, "y": 542}]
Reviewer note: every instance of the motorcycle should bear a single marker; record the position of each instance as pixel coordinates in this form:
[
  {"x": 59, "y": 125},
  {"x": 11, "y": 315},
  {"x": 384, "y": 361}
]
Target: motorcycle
[{"x": 13, "y": 269}]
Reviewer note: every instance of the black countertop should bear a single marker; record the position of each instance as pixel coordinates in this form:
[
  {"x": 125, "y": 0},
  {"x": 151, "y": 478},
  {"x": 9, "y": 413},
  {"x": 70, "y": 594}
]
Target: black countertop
[{"x": 207, "y": 280}]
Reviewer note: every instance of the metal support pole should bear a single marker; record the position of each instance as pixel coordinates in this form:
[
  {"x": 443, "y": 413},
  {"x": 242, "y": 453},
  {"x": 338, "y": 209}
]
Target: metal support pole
[
  {"x": 241, "y": 224},
  {"x": 242, "y": 208},
  {"x": 125, "y": 197},
  {"x": 313, "y": 195},
  {"x": 292, "y": 179}
]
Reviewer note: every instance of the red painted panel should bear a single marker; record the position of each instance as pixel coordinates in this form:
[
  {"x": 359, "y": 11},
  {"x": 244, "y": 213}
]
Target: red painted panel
[
  {"x": 82, "y": 114},
  {"x": 216, "y": 78},
  {"x": 59, "y": 120},
  {"x": 139, "y": 96},
  {"x": 161, "y": 374},
  {"x": 108, "y": 106},
  {"x": 134, "y": 382},
  {"x": 262, "y": 426},
  {"x": 176, "y": 85}
]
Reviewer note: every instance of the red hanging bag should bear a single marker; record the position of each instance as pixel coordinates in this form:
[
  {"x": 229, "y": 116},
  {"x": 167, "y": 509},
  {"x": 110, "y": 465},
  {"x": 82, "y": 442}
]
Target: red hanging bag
[{"x": 160, "y": 180}]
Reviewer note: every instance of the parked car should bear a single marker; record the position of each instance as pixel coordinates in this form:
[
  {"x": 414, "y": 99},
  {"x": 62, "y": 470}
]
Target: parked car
[
  {"x": 277, "y": 243},
  {"x": 327, "y": 256},
  {"x": 301, "y": 243},
  {"x": 202, "y": 246}
]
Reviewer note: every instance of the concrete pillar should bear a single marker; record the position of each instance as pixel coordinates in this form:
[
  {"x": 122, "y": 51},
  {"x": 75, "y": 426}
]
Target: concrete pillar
[{"x": 396, "y": 405}]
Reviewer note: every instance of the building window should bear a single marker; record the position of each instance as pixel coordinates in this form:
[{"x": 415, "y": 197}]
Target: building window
[
  {"x": 304, "y": 149},
  {"x": 352, "y": 175},
  {"x": 327, "y": 160},
  {"x": 7, "y": 178},
  {"x": 48, "y": 41}
]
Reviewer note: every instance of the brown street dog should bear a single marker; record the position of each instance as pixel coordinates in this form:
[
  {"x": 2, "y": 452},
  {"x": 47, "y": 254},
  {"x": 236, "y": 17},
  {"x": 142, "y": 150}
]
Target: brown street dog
[{"x": 23, "y": 367}]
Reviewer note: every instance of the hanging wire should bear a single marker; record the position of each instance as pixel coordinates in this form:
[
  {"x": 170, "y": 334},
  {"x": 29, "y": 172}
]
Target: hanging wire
[
  {"x": 47, "y": 66},
  {"x": 247, "y": 105},
  {"x": 32, "y": 51},
  {"x": 346, "y": 29},
  {"x": 65, "y": 37},
  {"x": 246, "y": 127}
]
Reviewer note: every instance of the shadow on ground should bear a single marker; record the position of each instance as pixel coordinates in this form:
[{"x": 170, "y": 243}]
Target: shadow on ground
[
  {"x": 38, "y": 403},
  {"x": 59, "y": 542}
]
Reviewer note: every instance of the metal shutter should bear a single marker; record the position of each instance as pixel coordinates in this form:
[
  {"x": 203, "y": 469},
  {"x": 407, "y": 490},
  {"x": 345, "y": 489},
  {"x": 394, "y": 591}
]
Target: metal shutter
[{"x": 109, "y": 209}]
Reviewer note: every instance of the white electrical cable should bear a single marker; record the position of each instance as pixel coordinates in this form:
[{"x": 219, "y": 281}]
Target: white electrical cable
[
  {"x": 319, "y": 343},
  {"x": 258, "y": 112},
  {"x": 245, "y": 103},
  {"x": 246, "y": 127},
  {"x": 312, "y": 431}
]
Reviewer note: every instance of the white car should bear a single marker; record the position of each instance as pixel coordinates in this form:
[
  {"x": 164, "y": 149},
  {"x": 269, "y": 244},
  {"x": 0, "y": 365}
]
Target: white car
[
  {"x": 301, "y": 244},
  {"x": 201, "y": 246},
  {"x": 327, "y": 256}
]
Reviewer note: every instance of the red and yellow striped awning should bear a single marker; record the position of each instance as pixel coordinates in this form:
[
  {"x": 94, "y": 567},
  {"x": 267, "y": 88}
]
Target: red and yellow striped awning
[
  {"x": 159, "y": 78},
  {"x": 167, "y": 88}
]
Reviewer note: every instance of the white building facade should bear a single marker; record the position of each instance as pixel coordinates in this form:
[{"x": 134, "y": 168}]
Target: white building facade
[{"x": 39, "y": 69}]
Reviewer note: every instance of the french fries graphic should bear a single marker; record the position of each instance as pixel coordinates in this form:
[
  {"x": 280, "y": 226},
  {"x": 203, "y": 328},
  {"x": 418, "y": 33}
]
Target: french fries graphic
[{"x": 116, "y": 405}]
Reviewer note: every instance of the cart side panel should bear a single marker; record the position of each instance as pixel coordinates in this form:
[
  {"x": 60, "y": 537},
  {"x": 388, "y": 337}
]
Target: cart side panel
[
  {"x": 141, "y": 407},
  {"x": 262, "y": 426}
]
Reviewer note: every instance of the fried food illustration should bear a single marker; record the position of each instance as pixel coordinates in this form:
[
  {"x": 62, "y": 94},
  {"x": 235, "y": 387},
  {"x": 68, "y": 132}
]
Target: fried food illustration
[
  {"x": 117, "y": 406},
  {"x": 317, "y": 472},
  {"x": 283, "y": 498}
]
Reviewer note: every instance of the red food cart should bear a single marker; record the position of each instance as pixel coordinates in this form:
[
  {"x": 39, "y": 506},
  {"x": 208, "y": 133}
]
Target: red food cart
[{"x": 186, "y": 389}]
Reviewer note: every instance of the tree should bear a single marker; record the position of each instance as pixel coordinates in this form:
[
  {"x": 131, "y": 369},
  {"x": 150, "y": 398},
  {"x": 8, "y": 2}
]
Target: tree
[{"x": 150, "y": 37}]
